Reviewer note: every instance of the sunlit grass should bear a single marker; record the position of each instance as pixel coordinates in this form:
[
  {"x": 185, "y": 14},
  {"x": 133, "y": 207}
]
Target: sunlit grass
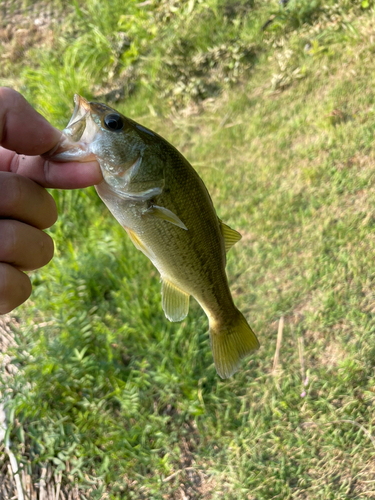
[{"x": 108, "y": 390}]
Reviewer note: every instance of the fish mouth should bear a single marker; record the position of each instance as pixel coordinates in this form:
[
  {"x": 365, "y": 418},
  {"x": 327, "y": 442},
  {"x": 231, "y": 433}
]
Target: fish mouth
[
  {"x": 77, "y": 136},
  {"x": 77, "y": 124}
]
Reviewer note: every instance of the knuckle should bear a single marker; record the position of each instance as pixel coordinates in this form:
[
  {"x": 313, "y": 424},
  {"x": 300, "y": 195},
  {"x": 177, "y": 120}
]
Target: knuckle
[{"x": 8, "y": 94}]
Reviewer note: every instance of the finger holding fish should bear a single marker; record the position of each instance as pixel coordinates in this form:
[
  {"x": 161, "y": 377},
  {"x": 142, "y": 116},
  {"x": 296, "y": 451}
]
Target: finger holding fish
[{"x": 51, "y": 174}]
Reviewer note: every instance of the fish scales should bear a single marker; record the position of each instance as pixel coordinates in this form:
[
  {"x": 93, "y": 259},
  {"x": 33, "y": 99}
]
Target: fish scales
[{"x": 160, "y": 200}]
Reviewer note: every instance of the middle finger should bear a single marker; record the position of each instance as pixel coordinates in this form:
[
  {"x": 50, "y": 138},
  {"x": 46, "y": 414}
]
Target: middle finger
[
  {"x": 23, "y": 199},
  {"x": 24, "y": 246}
]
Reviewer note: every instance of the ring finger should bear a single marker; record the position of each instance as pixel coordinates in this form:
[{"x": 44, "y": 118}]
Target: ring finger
[{"x": 15, "y": 288}]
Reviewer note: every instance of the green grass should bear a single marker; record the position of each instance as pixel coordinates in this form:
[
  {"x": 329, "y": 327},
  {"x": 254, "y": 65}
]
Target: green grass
[{"x": 112, "y": 393}]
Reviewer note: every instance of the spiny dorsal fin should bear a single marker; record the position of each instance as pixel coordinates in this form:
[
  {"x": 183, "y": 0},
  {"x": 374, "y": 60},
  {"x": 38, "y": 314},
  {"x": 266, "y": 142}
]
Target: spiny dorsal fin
[
  {"x": 165, "y": 214},
  {"x": 230, "y": 235},
  {"x": 174, "y": 301}
]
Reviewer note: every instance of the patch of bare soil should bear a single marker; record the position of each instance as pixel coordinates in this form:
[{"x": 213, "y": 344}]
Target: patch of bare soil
[{"x": 23, "y": 28}]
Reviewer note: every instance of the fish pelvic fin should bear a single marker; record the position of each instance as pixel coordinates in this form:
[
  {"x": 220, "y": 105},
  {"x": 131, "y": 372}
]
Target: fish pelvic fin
[
  {"x": 230, "y": 343},
  {"x": 139, "y": 244},
  {"x": 175, "y": 302}
]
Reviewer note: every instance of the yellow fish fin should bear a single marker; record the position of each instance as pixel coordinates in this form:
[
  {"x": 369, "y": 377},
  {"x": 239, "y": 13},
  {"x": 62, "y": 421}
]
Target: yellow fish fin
[
  {"x": 174, "y": 301},
  {"x": 230, "y": 235},
  {"x": 139, "y": 244},
  {"x": 165, "y": 214},
  {"x": 230, "y": 343}
]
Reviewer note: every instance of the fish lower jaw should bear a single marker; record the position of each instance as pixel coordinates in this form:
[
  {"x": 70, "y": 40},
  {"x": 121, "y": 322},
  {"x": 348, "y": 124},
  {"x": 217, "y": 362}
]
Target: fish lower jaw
[
  {"x": 66, "y": 151},
  {"x": 72, "y": 155}
]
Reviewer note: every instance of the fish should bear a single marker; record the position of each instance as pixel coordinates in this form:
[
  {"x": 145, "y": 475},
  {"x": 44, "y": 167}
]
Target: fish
[{"x": 165, "y": 208}]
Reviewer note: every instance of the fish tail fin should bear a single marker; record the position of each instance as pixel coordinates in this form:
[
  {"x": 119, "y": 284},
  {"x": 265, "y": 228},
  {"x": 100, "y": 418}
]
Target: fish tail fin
[{"x": 230, "y": 342}]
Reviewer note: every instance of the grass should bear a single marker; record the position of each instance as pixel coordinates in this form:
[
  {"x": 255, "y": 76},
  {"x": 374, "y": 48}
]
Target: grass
[{"x": 107, "y": 390}]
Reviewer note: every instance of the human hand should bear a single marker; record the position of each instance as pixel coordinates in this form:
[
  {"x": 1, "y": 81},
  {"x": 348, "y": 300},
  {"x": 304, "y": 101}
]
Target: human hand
[{"x": 25, "y": 206}]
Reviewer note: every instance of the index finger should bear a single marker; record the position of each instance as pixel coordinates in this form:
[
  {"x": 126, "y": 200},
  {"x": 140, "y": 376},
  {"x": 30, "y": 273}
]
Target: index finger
[
  {"x": 51, "y": 174},
  {"x": 23, "y": 132},
  {"x": 22, "y": 128}
]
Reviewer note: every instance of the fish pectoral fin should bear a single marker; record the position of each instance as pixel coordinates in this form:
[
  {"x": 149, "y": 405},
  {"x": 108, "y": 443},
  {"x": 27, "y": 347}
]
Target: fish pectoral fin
[
  {"x": 139, "y": 244},
  {"x": 230, "y": 235},
  {"x": 174, "y": 301},
  {"x": 165, "y": 214}
]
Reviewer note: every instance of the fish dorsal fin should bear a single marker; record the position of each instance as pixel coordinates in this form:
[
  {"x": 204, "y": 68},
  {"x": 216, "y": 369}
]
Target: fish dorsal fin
[
  {"x": 230, "y": 235},
  {"x": 165, "y": 214},
  {"x": 174, "y": 301},
  {"x": 139, "y": 244}
]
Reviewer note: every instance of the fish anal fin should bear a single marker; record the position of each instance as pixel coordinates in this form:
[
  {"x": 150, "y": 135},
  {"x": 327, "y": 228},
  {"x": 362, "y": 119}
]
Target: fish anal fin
[
  {"x": 175, "y": 302},
  {"x": 230, "y": 235},
  {"x": 139, "y": 244},
  {"x": 230, "y": 343},
  {"x": 165, "y": 214}
]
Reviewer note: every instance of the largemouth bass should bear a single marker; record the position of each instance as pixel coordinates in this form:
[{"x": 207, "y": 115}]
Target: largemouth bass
[{"x": 165, "y": 208}]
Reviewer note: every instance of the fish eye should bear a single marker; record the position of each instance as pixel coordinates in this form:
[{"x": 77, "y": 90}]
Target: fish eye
[{"x": 113, "y": 122}]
